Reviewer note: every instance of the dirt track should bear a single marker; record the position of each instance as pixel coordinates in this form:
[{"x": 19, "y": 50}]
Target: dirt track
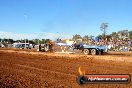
[{"x": 21, "y": 69}]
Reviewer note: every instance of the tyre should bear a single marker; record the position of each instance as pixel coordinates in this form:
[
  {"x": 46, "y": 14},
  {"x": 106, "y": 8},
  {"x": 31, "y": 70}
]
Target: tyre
[
  {"x": 86, "y": 51},
  {"x": 93, "y": 52}
]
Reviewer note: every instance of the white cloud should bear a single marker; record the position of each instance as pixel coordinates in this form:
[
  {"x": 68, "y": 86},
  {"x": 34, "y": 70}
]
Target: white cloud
[{"x": 41, "y": 35}]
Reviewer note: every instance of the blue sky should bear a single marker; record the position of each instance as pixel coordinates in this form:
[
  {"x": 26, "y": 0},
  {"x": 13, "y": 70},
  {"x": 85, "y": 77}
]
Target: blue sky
[{"x": 64, "y": 17}]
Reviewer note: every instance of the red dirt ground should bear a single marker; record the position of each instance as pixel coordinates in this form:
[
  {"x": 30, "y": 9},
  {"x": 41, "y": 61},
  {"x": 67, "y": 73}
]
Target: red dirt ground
[{"x": 26, "y": 69}]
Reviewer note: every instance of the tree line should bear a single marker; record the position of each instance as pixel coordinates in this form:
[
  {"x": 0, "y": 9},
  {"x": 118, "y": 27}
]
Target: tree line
[{"x": 120, "y": 35}]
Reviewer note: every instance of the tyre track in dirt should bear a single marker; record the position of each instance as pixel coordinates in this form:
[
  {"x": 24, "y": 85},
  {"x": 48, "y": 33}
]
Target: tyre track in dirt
[
  {"x": 36, "y": 71},
  {"x": 43, "y": 67}
]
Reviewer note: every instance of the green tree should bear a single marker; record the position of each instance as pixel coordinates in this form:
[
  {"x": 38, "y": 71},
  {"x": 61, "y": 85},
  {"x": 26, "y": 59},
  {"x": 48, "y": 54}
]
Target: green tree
[
  {"x": 10, "y": 41},
  {"x": 5, "y": 40},
  {"x": 100, "y": 36},
  {"x": 123, "y": 34},
  {"x": 130, "y": 35},
  {"x": 76, "y": 36},
  {"x": 36, "y": 41},
  {"x": 43, "y": 41},
  {"x": 103, "y": 28},
  {"x": 114, "y": 36},
  {"x": 108, "y": 37},
  {"x": 31, "y": 42},
  {"x": 86, "y": 37},
  {"x": 46, "y": 40}
]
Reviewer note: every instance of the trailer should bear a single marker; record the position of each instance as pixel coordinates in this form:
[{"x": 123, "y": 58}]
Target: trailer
[{"x": 94, "y": 49}]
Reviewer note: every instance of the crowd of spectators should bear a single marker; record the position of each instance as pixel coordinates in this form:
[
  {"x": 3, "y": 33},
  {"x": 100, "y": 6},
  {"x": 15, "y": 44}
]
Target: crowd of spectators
[{"x": 113, "y": 45}]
